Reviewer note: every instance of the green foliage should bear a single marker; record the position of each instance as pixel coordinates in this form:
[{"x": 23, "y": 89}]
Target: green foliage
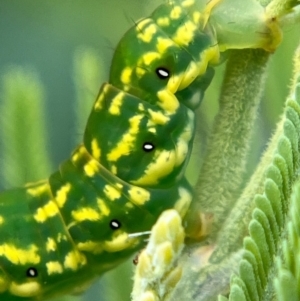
[{"x": 22, "y": 128}]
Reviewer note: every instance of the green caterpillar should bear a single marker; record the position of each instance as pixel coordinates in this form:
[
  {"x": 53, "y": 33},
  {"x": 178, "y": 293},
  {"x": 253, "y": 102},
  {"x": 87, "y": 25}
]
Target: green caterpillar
[{"x": 58, "y": 235}]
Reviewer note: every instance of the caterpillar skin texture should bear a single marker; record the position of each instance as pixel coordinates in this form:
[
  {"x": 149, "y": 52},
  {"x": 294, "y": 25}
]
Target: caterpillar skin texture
[{"x": 57, "y": 235}]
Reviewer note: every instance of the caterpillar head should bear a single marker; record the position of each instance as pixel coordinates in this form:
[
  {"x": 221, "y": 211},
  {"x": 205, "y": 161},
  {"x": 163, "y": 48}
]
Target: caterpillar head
[{"x": 152, "y": 66}]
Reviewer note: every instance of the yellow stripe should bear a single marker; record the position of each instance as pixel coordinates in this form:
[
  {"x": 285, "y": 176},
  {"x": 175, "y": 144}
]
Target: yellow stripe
[
  {"x": 126, "y": 144},
  {"x": 176, "y": 12},
  {"x": 51, "y": 245},
  {"x": 116, "y": 103},
  {"x": 96, "y": 151},
  {"x": 164, "y": 44},
  {"x": 126, "y": 75},
  {"x": 28, "y": 289},
  {"x": 118, "y": 243},
  {"x": 185, "y": 34},
  {"x": 165, "y": 21},
  {"x": 62, "y": 194},
  {"x": 54, "y": 267},
  {"x": 168, "y": 101},
  {"x": 74, "y": 260},
  {"x": 85, "y": 213},
  {"x": 39, "y": 190},
  {"x": 47, "y": 211},
  {"x": 104, "y": 209},
  {"x": 149, "y": 57},
  {"x": 94, "y": 247},
  {"x": 111, "y": 192},
  {"x": 138, "y": 196},
  {"x": 20, "y": 256},
  {"x": 161, "y": 166},
  {"x": 146, "y": 34},
  {"x": 91, "y": 168}
]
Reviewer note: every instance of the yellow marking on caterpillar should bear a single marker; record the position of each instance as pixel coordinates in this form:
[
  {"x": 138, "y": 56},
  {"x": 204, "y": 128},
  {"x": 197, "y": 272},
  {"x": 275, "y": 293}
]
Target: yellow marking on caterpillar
[
  {"x": 189, "y": 75},
  {"x": 126, "y": 75},
  {"x": 140, "y": 72},
  {"x": 28, "y": 289},
  {"x": 168, "y": 101},
  {"x": 96, "y": 151},
  {"x": 165, "y": 21},
  {"x": 54, "y": 267},
  {"x": 74, "y": 260},
  {"x": 20, "y": 256},
  {"x": 116, "y": 103},
  {"x": 91, "y": 168},
  {"x": 150, "y": 128},
  {"x": 143, "y": 24},
  {"x": 187, "y": 3},
  {"x": 104, "y": 209},
  {"x": 47, "y": 211},
  {"x": 1, "y": 219},
  {"x": 126, "y": 144},
  {"x": 184, "y": 201},
  {"x": 111, "y": 192},
  {"x": 148, "y": 58},
  {"x": 129, "y": 205},
  {"x": 39, "y": 190},
  {"x": 176, "y": 12},
  {"x": 85, "y": 214},
  {"x": 157, "y": 118},
  {"x": 207, "y": 11},
  {"x": 78, "y": 153},
  {"x": 162, "y": 165},
  {"x": 51, "y": 245},
  {"x": 94, "y": 247},
  {"x": 138, "y": 196},
  {"x": 211, "y": 55},
  {"x": 3, "y": 284},
  {"x": 114, "y": 169},
  {"x": 75, "y": 157},
  {"x": 147, "y": 33},
  {"x": 196, "y": 17},
  {"x": 61, "y": 237},
  {"x": 118, "y": 243},
  {"x": 61, "y": 195},
  {"x": 101, "y": 97},
  {"x": 184, "y": 139},
  {"x": 141, "y": 107},
  {"x": 185, "y": 34},
  {"x": 164, "y": 44},
  {"x": 174, "y": 82}
]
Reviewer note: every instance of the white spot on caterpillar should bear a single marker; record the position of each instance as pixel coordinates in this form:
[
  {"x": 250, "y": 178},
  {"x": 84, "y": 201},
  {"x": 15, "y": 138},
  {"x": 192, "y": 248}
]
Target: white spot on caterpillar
[{"x": 162, "y": 73}]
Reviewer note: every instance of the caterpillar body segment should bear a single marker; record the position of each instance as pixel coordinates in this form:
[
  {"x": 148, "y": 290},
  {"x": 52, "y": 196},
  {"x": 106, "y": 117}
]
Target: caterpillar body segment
[
  {"x": 58, "y": 235},
  {"x": 64, "y": 232}
]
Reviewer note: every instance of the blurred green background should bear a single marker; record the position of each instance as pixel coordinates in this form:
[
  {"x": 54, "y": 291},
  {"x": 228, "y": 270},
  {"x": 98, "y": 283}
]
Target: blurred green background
[{"x": 65, "y": 49}]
